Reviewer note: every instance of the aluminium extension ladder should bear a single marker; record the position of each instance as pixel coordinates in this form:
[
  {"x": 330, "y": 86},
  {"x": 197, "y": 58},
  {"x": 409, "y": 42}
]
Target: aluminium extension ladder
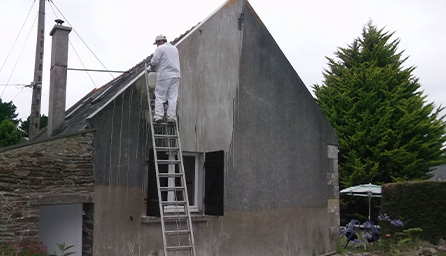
[{"x": 176, "y": 222}]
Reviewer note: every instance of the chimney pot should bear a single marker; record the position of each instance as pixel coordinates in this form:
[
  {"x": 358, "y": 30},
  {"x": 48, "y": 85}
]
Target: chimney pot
[{"x": 59, "y": 21}]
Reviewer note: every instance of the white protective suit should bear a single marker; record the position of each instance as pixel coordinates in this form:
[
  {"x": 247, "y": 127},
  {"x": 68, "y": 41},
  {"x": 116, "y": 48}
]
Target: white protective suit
[{"x": 166, "y": 61}]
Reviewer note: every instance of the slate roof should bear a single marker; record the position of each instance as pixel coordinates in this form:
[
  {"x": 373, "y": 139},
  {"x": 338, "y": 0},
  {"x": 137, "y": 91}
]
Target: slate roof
[{"x": 76, "y": 116}]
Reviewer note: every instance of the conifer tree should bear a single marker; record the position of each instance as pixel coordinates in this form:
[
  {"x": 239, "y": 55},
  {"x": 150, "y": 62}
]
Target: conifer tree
[{"x": 387, "y": 130}]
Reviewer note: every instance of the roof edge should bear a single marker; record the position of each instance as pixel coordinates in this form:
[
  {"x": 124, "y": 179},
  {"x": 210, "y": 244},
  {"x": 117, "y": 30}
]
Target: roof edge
[
  {"x": 116, "y": 95},
  {"x": 202, "y": 22}
]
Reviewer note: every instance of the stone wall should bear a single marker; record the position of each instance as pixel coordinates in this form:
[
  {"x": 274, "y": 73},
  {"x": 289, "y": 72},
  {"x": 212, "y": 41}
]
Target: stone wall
[
  {"x": 54, "y": 171},
  {"x": 333, "y": 193}
]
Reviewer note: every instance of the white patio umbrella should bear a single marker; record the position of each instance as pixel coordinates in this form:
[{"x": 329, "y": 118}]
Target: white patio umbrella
[{"x": 366, "y": 190}]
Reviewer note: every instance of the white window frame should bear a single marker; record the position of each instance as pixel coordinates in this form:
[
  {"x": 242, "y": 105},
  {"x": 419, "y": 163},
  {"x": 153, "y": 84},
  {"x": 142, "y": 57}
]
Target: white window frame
[{"x": 198, "y": 184}]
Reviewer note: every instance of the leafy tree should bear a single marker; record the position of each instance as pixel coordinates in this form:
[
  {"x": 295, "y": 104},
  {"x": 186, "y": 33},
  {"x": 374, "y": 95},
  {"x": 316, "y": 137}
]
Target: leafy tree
[
  {"x": 387, "y": 130},
  {"x": 9, "y": 133}
]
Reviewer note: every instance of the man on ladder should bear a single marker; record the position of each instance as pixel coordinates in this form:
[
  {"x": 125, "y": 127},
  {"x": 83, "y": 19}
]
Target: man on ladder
[
  {"x": 176, "y": 221},
  {"x": 166, "y": 62}
]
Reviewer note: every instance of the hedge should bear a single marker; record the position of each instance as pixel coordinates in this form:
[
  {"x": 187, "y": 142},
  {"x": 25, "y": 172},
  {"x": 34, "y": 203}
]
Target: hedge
[{"x": 420, "y": 204}]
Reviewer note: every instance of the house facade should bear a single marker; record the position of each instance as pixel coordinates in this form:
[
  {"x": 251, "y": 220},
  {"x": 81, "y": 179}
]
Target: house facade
[{"x": 259, "y": 154}]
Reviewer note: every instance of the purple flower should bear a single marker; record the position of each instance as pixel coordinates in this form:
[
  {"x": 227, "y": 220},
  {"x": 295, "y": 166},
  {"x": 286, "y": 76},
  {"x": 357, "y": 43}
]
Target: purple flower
[
  {"x": 396, "y": 223},
  {"x": 367, "y": 224},
  {"x": 367, "y": 236},
  {"x": 341, "y": 232},
  {"x": 384, "y": 217}
]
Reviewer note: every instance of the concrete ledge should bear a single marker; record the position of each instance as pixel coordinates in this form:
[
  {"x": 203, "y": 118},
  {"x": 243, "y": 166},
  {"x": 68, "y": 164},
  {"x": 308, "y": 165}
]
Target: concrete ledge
[{"x": 37, "y": 141}]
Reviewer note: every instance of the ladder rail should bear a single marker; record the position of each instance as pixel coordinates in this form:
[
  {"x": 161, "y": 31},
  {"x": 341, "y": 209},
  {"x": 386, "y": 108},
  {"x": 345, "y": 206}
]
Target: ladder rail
[
  {"x": 155, "y": 158},
  {"x": 186, "y": 195}
]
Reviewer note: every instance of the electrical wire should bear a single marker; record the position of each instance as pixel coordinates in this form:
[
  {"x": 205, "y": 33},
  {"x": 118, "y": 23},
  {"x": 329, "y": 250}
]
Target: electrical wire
[
  {"x": 55, "y": 14},
  {"x": 18, "y": 58},
  {"x": 82, "y": 39},
  {"x": 72, "y": 46},
  {"x": 16, "y": 85},
  {"x": 23, "y": 86},
  {"x": 15, "y": 41},
  {"x": 83, "y": 65},
  {"x": 20, "y": 91}
]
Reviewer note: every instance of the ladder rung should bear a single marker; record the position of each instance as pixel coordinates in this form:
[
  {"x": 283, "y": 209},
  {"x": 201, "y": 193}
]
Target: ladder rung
[
  {"x": 173, "y": 202},
  {"x": 179, "y": 248},
  {"x": 165, "y": 136},
  {"x": 161, "y": 161},
  {"x": 163, "y": 124},
  {"x": 166, "y": 148},
  {"x": 177, "y": 232},
  {"x": 177, "y": 188},
  {"x": 176, "y": 217},
  {"x": 169, "y": 175}
]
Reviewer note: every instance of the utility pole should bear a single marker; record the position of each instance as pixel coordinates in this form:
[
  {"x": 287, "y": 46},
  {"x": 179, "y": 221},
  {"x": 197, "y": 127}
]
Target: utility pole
[{"x": 34, "y": 122}]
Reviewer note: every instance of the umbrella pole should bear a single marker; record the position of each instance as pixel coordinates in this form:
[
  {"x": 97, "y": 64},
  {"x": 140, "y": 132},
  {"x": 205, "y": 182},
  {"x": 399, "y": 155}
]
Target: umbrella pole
[{"x": 370, "y": 204}]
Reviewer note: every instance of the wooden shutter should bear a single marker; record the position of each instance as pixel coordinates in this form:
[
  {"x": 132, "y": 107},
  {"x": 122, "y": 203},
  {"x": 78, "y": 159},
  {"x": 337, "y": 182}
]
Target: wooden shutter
[{"x": 214, "y": 183}]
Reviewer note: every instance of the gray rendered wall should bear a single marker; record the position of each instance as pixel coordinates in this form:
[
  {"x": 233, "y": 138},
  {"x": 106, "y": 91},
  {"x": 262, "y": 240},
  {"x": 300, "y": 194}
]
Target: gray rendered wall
[
  {"x": 280, "y": 133},
  {"x": 209, "y": 59},
  {"x": 240, "y": 94},
  {"x": 120, "y": 143},
  {"x": 279, "y": 159}
]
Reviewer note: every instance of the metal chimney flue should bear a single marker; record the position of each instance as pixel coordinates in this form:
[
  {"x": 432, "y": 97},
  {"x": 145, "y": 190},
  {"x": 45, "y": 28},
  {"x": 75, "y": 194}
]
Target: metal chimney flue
[{"x": 58, "y": 77}]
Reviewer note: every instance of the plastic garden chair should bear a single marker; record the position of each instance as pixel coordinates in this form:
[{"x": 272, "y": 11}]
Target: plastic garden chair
[
  {"x": 350, "y": 232},
  {"x": 370, "y": 228}
]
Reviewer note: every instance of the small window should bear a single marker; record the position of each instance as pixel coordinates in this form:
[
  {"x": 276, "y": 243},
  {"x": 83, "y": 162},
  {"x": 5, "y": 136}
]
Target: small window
[
  {"x": 199, "y": 175},
  {"x": 190, "y": 163},
  {"x": 191, "y": 170}
]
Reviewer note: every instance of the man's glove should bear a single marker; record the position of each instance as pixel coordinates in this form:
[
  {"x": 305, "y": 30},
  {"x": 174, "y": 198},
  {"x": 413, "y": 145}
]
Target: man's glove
[{"x": 151, "y": 68}]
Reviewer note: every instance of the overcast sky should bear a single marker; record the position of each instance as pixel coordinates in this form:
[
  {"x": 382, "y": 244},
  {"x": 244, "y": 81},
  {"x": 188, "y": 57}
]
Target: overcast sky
[{"x": 121, "y": 33}]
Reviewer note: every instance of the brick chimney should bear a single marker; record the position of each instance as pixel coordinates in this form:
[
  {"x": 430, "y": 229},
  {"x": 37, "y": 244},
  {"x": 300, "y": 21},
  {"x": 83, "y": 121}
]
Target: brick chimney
[{"x": 58, "y": 77}]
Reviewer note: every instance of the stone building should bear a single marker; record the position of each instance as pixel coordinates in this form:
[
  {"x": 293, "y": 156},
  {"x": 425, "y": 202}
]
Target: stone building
[{"x": 241, "y": 106}]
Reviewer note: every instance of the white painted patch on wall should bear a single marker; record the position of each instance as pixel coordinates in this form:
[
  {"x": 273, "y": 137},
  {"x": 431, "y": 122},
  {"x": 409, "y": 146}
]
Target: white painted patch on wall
[{"x": 61, "y": 224}]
